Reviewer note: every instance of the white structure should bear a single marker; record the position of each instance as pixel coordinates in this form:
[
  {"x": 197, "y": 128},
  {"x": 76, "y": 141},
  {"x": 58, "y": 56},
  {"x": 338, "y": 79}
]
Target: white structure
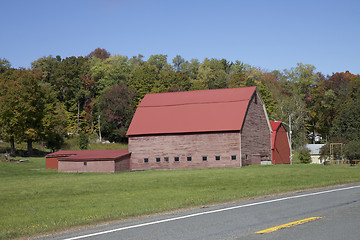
[{"x": 315, "y": 152}]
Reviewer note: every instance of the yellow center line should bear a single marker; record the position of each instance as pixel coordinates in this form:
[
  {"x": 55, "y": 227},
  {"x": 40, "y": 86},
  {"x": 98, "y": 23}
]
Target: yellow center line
[{"x": 289, "y": 225}]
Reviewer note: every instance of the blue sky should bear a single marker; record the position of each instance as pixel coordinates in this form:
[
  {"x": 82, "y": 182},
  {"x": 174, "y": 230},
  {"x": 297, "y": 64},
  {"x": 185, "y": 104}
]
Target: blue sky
[{"x": 270, "y": 34}]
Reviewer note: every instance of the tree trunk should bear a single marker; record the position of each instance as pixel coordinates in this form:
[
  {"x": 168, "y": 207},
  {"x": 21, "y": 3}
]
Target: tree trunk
[
  {"x": 12, "y": 147},
  {"x": 29, "y": 148},
  {"x": 78, "y": 118}
]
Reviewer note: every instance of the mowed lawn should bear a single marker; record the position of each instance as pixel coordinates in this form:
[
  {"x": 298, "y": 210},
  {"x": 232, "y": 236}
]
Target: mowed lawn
[{"x": 35, "y": 200}]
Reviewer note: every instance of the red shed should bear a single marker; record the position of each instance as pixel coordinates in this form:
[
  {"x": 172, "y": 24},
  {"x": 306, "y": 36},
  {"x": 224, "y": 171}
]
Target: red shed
[
  {"x": 280, "y": 145},
  {"x": 200, "y": 129},
  {"x": 89, "y": 161}
]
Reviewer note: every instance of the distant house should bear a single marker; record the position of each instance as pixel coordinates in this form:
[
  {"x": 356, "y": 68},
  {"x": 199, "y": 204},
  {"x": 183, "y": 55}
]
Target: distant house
[
  {"x": 89, "y": 161},
  {"x": 315, "y": 152},
  {"x": 280, "y": 145},
  {"x": 200, "y": 129}
]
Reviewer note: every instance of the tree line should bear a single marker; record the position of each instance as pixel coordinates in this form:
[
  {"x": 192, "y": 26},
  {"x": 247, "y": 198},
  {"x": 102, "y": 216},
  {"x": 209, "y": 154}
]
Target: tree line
[{"x": 98, "y": 93}]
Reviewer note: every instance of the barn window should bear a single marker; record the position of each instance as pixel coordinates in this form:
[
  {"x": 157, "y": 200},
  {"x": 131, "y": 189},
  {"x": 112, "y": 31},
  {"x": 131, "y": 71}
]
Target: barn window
[
  {"x": 204, "y": 158},
  {"x": 176, "y": 159},
  {"x": 189, "y": 159},
  {"x": 146, "y": 160},
  {"x": 233, "y": 157},
  {"x": 85, "y": 163},
  {"x": 217, "y": 158},
  {"x": 166, "y": 159},
  {"x": 157, "y": 159}
]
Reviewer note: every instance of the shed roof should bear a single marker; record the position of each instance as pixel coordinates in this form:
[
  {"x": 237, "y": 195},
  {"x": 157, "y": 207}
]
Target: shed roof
[
  {"x": 90, "y": 155},
  {"x": 314, "y": 148},
  {"x": 275, "y": 125},
  {"x": 192, "y": 111}
]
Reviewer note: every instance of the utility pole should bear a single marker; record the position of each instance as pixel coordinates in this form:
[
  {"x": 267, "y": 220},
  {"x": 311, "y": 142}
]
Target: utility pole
[{"x": 290, "y": 138}]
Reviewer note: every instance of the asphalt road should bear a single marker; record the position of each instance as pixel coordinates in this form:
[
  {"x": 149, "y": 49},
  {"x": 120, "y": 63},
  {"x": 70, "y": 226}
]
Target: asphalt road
[{"x": 338, "y": 206}]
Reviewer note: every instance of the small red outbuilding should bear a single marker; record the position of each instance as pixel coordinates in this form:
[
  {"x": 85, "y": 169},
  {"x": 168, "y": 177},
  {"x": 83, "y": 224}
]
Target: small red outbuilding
[
  {"x": 89, "y": 161},
  {"x": 280, "y": 146}
]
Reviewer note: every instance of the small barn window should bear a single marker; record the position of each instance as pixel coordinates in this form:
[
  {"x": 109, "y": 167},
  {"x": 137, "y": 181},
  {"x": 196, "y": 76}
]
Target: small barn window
[
  {"x": 204, "y": 158},
  {"x": 217, "y": 158},
  {"x": 176, "y": 159},
  {"x": 189, "y": 159},
  {"x": 146, "y": 160},
  {"x": 157, "y": 159},
  {"x": 166, "y": 159},
  {"x": 85, "y": 163},
  {"x": 233, "y": 157}
]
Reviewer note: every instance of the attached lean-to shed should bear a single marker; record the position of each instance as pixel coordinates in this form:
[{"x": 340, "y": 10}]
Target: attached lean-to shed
[
  {"x": 280, "y": 145},
  {"x": 200, "y": 129},
  {"x": 107, "y": 161}
]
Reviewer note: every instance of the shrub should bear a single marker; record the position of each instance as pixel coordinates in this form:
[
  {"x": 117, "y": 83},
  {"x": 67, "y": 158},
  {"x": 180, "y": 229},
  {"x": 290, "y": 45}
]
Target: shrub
[
  {"x": 352, "y": 151},
  {"x": 304, "y": 155},
  {"x": 83, "y": 141}
]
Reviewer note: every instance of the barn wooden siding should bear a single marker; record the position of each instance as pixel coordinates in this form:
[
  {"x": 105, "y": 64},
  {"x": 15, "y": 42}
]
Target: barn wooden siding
[
  {"x": 225, "y": 145},
  {"x": 255, "y": 135}
]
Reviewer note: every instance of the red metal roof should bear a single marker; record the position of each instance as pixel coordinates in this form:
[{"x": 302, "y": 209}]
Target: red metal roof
[
  {"x": 90, "y": 155},
  {"x": 275, "y": 125},
  {"x": 192, "y": 111}
]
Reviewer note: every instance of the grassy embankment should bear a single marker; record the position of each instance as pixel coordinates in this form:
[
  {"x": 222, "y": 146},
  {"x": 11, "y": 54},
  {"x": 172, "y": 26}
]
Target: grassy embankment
[
  {"x": 70, "y": 144},
  {"x": 35, "y": 200}
]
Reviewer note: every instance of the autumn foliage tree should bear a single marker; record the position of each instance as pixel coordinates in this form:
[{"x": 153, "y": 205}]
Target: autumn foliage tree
[
  {"x": 116, "y": 109},
  {"x": 27, "y": 114},
  {"x": 70, "y": 93}
]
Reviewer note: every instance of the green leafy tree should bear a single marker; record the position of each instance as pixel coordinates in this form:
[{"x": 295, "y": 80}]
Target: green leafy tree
[
  {"x": 136, "y": 61},
  {"x": 54, "y": 121},
  {"x": 239, "y": 75},
  {"x": 191, "y": 68},
  {"x": 109, "y": 72},
  {"x": 178, "y": 62},
  {"x": 170, "y": 81},
  {"x": 294, "y": 107},
  {"x": 347, "y": 123},
  {"x": 160, "y": 61},
  {"x": 83, "y": 141},
  {"x": 73, "y": 93},
  {"x": 4, "y": 65},
  {"x": 26, "y": 111},
  {"x": 10, "y": 103},
  {"x": 48, "y": 66},
  {"x": 143, "y": 79},
  {"x": 212, "y": 73},
  {"x": 267, "y": 96},
  {"x": 330, "y": 96},
  {"x": 304, "y": 78},
  {"x": 304, "y": 155},
  {"x": 352, "y": 151}
]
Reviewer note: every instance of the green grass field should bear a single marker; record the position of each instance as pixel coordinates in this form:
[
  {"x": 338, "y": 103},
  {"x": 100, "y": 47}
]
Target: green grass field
[
  {"x": 34, "y": 200},
  {"x": 70, "y": 144}
]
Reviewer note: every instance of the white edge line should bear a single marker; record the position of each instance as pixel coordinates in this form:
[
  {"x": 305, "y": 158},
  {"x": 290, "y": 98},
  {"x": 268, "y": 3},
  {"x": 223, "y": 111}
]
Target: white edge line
[{"x": 209, "y": 212}]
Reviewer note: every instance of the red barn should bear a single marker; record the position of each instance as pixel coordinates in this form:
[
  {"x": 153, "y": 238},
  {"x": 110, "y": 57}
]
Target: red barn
[
  {"x": 89, "y": 161},
  {"x": 280, "y": 145},
  {"x": 200, "y": 129}
]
